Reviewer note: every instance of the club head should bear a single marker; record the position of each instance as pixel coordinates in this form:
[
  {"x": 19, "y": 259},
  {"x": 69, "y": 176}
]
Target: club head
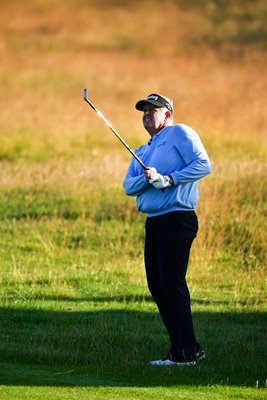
[{"x": 85, "y": 93}]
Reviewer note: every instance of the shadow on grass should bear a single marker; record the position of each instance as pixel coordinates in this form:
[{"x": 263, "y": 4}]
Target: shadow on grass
[{"x": 113, "y": 347}]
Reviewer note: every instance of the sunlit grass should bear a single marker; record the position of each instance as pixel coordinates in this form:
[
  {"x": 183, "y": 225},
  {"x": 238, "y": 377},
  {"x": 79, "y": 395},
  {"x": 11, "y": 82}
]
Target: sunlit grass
[{"x": 73, "y": 288}]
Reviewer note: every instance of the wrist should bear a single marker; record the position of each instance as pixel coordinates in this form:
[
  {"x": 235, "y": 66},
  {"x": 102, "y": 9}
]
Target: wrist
[{"x": 171, "y": 181}]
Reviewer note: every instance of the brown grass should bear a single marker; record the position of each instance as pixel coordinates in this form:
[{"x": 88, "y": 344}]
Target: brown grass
[{"x": 49, "y": 136}]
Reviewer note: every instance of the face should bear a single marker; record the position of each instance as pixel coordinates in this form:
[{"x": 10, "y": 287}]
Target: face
[{"x": 154, "y": 118}]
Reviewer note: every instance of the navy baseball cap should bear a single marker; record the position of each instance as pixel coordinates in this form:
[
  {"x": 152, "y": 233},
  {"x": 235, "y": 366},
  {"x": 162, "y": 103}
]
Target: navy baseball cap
[{"x": 156, "y": 100}]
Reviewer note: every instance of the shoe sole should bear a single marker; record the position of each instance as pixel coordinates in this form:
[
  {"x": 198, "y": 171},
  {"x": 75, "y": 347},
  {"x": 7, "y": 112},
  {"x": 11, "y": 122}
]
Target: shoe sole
[{"x": 169, "y": 363}]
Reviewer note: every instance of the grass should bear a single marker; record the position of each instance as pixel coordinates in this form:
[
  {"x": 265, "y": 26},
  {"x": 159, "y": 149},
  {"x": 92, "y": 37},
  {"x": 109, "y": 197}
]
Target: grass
[{"x": 76, "y": 317}]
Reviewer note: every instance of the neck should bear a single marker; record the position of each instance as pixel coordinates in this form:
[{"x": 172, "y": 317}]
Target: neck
[{"x": 153, "y": 131}]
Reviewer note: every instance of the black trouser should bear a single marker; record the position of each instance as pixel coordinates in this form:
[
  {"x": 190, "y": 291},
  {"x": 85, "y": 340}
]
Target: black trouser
[{"x": 167, "y": 248}]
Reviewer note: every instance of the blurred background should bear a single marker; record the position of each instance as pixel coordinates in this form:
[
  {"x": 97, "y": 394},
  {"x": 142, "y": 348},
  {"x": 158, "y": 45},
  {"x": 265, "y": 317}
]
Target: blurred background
[
  {"x": 58, "y": 158},
  {"x": 71, "y": 242}
]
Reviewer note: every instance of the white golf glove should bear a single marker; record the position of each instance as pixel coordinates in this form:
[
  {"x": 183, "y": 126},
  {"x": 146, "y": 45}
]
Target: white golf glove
[
  {"x": 161, "y": 181},
  {"x": 153, "y": 174}
]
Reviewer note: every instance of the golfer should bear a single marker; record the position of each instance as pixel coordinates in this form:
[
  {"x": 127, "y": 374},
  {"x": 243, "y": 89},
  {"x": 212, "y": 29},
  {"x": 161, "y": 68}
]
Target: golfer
[{"x": 167, "y": 192}]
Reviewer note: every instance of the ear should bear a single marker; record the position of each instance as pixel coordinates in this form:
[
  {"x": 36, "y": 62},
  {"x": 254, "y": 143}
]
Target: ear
[{"x": 168, "y": 114}]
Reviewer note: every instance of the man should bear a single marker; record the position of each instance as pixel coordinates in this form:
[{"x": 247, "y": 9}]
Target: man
[{"x": 167, "y": 192}]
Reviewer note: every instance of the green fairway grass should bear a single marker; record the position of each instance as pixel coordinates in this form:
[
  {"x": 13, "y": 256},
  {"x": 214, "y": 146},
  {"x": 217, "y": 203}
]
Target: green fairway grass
[{"x": 76, "y": 318}]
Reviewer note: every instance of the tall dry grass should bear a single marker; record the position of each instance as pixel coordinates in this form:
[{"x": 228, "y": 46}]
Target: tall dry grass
[
  {"x": 72, "y": 280},
  {"x": 51, "y": 141}
]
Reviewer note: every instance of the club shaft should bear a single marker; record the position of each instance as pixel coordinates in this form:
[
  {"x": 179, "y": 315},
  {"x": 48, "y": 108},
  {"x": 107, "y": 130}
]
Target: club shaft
[{"x": 99, "y": 113}]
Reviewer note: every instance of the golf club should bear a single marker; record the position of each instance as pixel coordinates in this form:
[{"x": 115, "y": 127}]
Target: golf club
[{"x": 112, "y": 129}]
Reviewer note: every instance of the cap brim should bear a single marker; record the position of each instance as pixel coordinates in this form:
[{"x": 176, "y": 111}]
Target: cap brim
[{"x": 141, "y": 104}]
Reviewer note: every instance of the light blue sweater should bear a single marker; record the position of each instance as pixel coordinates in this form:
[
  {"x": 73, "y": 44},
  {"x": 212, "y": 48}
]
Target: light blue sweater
[{"x": 177, "y": 151}]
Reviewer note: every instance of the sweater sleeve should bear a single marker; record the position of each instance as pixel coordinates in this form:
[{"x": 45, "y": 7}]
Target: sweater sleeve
[
  {"x": 192, "y": 151},
  {"x": 134, "y": 182}
]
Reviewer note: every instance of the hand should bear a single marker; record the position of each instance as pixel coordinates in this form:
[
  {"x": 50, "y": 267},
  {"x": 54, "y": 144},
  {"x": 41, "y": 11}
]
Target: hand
[
  {"x": 161, "y": 181},
  {"x": 150, "y": 173}
]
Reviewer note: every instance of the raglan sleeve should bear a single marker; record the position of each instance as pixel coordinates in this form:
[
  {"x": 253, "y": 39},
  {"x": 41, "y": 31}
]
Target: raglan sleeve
[
  {"x": 194, "y": 155},
  {"x": 135, "y": 182}
]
